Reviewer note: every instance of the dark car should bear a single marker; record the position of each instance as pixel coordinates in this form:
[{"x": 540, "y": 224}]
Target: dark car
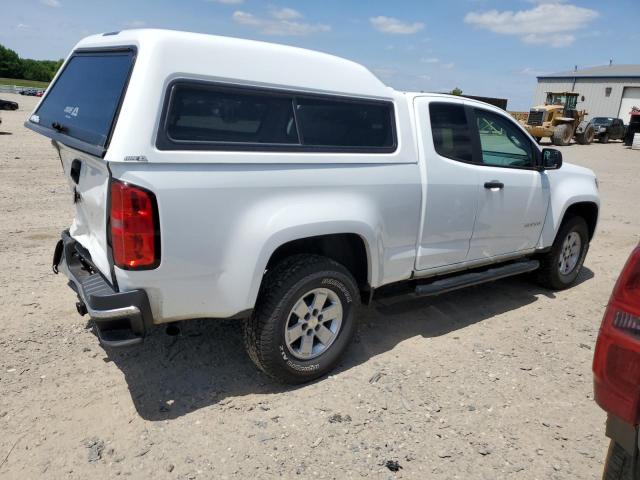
[
  {"x": 29, "y": 92},
  {"x": 8, "y": 105},
  {"x": 616, "y": 373},
  {"x": 608, "y": 128}
]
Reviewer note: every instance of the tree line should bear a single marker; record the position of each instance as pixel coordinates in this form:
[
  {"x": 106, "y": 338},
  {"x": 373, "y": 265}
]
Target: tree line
[{"x": 12, "y": 66}]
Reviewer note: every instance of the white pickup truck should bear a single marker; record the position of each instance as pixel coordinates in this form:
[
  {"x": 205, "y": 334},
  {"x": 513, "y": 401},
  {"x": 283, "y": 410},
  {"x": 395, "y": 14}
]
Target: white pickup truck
[{"x": 223, "y": 178}]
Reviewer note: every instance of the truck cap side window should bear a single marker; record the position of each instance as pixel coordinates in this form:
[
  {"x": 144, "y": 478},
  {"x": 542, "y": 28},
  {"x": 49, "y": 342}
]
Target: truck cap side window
[
  {"x": 209, "y": 116},
  {"x": 344, "y": 124},
  {"x": 450, "y": 130},
  {"x": 199, "y": 113},
  {"x": 83, "y": 101}
]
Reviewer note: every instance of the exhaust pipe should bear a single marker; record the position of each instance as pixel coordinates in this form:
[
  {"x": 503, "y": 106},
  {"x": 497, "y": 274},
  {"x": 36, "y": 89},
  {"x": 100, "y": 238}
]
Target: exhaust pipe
[{"x": 173, "y": 330}]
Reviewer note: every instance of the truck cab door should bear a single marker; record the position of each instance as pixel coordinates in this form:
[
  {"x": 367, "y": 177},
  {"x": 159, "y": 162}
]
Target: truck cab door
[
  {"x": 449, "y": 182},
  {"x": 513, "y": 196},
  {"x": 618, "y": 128}
]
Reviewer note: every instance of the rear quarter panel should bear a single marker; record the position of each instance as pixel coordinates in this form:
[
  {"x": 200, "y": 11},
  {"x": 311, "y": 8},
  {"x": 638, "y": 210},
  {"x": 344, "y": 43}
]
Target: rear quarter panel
[{"x": 221, "y": 223}]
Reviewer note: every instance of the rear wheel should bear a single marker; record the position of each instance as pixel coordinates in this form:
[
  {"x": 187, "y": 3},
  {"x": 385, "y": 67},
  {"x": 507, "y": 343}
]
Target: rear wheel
[
  {"x": 560, "y": 267},
  {"x": 618, "y": 465},
  {"x": 604, "y": 138},
  {"x": 562, "y": 135},
  {"x": 303, "y": 320}
]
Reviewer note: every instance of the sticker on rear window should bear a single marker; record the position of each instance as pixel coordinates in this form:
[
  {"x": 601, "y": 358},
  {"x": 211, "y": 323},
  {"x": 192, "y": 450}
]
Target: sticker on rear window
[
  {"x": 35, "y": 118},
  {"x": 73, "y": 111}
]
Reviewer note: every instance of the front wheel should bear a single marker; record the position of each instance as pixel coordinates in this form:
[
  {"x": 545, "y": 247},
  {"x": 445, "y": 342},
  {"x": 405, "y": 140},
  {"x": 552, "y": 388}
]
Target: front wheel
[
  {"x": 586, "y": 137},
  {"x": 560, "y": 267},
  {"x": 604, "y": 138},
  {"x": 562, "y": 135},
  {"x": 303, "y": 320},
  {"x": 619, "y": 464}
]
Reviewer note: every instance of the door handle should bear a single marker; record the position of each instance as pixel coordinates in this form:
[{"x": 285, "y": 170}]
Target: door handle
[{"x": 494, "y": 184}]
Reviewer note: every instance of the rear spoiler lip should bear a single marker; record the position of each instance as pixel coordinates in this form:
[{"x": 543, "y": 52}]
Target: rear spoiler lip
[{"x": 72, "y": 142}]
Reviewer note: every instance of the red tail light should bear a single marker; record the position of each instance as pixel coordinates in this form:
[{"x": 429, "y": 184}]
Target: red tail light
[
  {"x": 135, "y": 236},
  {"x": 616, "y": 362}
]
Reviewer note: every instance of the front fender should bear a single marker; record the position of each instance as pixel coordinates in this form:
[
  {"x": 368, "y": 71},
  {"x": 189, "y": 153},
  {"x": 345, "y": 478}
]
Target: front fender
[{"x": 569, "y": 185}]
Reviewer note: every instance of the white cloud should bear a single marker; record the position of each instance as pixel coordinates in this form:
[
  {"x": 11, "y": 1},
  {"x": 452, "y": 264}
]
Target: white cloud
[
  {"x": 430, "y": 60},
  {"x": 281, "y": 22},
  {"x": 22, "y": 26},
  {"x": 286, "y": 14},
  {"x": 425, "y": 77},
  {"x": 228, "y": 2},
  {"x": 448, "y": 66},
  {"x": 135, "y": 24},
  {"x": 547, "y": 23},
  {"x": 557, "y": 40},
  {"x": 532, "y": 72},
  {"x": 395, "y": 26},
  {"x": 51, "y": 3}
]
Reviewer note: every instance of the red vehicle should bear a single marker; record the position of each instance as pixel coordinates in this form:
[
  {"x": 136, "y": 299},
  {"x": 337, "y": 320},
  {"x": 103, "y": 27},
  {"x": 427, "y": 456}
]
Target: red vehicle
[
  {"x": 634, "y": 126},
  {"x": 616, "y": 371},
  {"x": 39, "y": 93}
]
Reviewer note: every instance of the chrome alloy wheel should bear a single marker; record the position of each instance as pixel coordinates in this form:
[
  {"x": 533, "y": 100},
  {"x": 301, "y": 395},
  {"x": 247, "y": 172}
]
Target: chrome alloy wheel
[
  {"x": 570, "y": 253},
  {"x": 313, "y": 323}
]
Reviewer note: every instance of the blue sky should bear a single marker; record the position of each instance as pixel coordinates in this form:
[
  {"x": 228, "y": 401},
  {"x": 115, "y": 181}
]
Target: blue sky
[{"x": 486, "y": 47}]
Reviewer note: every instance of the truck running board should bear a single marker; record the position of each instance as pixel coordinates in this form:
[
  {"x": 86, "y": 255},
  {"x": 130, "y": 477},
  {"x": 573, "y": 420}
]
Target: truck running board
[{"x": 474, "y": 278}]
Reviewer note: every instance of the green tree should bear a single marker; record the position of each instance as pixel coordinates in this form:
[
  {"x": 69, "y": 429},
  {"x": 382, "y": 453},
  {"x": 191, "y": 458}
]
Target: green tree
[
  {"x": 456, "y": 91},
  {"x": 10, "y": 63},
  {"x": 12, "y": 66}
]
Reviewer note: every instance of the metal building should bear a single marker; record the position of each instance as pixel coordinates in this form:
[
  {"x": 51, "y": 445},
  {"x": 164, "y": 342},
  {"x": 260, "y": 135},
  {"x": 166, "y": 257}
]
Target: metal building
[{"x": 608, "y": 91}]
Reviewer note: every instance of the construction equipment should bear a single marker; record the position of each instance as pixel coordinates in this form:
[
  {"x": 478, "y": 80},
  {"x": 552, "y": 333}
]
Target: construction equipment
[{"x": 560, "y": 120}]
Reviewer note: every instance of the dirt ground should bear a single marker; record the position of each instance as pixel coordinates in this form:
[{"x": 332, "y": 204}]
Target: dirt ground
[{"x": 487, "y": 383}]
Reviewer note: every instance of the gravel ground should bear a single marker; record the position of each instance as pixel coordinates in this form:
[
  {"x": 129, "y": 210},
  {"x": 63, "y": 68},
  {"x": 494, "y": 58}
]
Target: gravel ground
[{"x": 486, "y": 383}]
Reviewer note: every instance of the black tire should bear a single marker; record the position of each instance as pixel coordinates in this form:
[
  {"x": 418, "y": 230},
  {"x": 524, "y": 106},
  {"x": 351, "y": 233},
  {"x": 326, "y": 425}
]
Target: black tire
[
  {"x": 586, "y": 137},
  {"x": 604, "y": 138},
  {"x": 618, "y": 465},
  {"x": 549, "y": 275},
  {"x": 562, "y": 135},
  {"x": 283, "y": 287}
]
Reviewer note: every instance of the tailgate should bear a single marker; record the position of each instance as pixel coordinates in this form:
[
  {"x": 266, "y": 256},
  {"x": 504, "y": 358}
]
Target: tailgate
[
  {"x": 79, "y": 112},
  {"x": 88, "y": 179}
]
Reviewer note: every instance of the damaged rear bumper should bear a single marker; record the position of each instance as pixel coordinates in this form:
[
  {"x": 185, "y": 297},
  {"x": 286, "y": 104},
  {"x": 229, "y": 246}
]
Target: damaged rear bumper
[{"x": 121, "y": 318}]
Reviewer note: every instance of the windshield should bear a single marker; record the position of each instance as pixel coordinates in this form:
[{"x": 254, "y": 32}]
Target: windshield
[
  {"x": 602, "y": 121},
  {"x": 83, "y": 101},
  {"x": 567, "y": 100}
]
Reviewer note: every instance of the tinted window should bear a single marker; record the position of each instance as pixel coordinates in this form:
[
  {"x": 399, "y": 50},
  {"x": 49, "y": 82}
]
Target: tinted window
[
  {"x": 502, "y": 143},
  {"x": 451, "y": 135},
  {"x": 86, "y": 96},
  {"x": 206, "y": 114},
  {"x": 602, "y": 121},
  {"x": 331, "y": 123}
]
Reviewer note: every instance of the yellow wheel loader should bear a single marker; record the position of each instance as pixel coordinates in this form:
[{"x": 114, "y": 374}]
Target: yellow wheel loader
[{"x": 560, "y": 120}]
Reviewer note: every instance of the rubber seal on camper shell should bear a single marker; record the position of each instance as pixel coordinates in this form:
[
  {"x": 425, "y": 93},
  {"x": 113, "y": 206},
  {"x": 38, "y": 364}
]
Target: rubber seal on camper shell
[{"x": 121, "y": 318}]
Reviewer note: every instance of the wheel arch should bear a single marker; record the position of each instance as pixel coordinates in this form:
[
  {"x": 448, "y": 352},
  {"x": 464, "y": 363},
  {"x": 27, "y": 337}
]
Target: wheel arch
[
  {"x": 587, "y": 210},
  {"x": 349, "y": 249}
]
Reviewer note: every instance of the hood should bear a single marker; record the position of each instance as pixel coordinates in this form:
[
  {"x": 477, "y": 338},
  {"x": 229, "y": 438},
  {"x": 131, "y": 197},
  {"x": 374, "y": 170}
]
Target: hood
[{"x": 573, "y": 169}]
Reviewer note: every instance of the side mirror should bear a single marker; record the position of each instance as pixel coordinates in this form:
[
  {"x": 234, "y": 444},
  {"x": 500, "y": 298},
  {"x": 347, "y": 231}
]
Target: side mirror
[{"x": 551, "y": 159}]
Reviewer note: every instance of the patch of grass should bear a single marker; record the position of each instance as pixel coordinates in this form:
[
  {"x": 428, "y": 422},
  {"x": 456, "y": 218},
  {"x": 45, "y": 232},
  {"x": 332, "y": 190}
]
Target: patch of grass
[{"x": 23, "y": 83}]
